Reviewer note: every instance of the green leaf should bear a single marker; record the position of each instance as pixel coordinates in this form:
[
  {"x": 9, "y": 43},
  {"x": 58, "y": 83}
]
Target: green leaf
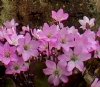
[
  {"x": 40, "y": 79},
  {"x": 41, "y": 82},
  {"x": 10, "y": 83}
]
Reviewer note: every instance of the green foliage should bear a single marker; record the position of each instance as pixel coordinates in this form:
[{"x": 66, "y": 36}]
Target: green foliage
[
  {"x": 10, "y": 83},
  {"x": 9, "y": 10},
  {"x": 40, "y": 79}
]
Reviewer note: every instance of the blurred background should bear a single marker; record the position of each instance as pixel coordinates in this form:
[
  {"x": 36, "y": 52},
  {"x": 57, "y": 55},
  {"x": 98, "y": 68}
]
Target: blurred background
[{"x": 36, "y": 12}]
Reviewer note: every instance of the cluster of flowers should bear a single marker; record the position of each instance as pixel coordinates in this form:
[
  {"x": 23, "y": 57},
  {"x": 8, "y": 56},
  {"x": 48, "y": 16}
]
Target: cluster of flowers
[{"x": 65, "y": 48}]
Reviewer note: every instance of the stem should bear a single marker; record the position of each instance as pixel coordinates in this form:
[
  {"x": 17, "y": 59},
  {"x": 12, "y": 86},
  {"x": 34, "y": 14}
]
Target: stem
[{"x": 48, "y": 51}]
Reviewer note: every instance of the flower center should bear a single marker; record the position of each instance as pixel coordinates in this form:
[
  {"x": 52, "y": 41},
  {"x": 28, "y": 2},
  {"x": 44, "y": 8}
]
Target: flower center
[
  {"x": 7, "y": 54},
  {"x": 74, "y": 57},
  {"x": 63, "y": 41},
  {"x": 26, "y": 47},
  {"x": 56, "y": 72},
  {"x": 87, "y": 26},
  {"x": 16, "y": 67},
  {"x": 49, "y": 35}
]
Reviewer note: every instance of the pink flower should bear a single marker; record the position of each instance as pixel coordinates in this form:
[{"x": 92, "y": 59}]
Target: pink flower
[
  {"x": 10, "y": 24},
  {"x": 7, "y": 53},
  {"x": 57, "y": 73},
  {"x": 13, "y": 39},
  {"x": 27, "y": 47},
  {"x": 72, "y": 30},
  {"x": 96, "y": 83},
  {"x": 86, "y": 41},
  {"x": 59, "y": 15},
  {"x": 17, "y": 67},
  {"x": 86, "y": 23},
  {"x": 75, "y": 59},
  {"x": 48, "y": 33},
  {"x": 65, "y": 39},
  {"x": 11, "y": 36},
  {"x": 10, "y": 27}
]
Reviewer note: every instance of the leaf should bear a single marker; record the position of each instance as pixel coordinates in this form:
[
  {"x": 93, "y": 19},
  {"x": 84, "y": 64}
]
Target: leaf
[
  {"x": 10, "y": 83},
  {"x": 40, "y": 79},
  {"x": 41, "y": 82}
]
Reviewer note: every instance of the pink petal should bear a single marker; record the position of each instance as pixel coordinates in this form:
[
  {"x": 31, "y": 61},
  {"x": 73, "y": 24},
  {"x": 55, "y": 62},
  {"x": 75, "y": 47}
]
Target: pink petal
[
  {"x": 64, "y": 79},
  {"x": 86, "y": 19},
  {"x": 56, "y": 81},
  {"x": 20, "y": 49},
  {"x": 63, "y": 58},
  {"x": 92, "y": 22},
  {"x": 95, "y": 83},
  {"x": 48, "y": 71},
  {"x": 65, "y": 16},
  {"x": 51, "y": 78},
  {"x": 84, "y": 56},
  {"x": 62, "y": 63},
  {"x": 71, "y": 65},
  {"x": 50, "y": 64},
  {"x": 27, "y": 38},
  {"x": 54, "y": 15},
  {"x": 25, "y": 56},
  {"x": 82, "y": 22},
  {"x": 6, "y": 61},
  {"x": 21, "y": 41},
  {"x": 79, "y": 65}
]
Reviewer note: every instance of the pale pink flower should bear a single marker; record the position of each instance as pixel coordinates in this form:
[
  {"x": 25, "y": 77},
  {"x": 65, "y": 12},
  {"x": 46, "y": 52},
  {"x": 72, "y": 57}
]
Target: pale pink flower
[
  {"x": 64, "y": 39},
  {"x": 17, "y": 67},
  {"x": 86, "y": 41},
  {"x": 96, "y": 83},
  {"x": 7, "y": 53},
  {"x": 48, "y": 33},
  {"x": 59, "y": 15},
  {"x": 11, "y": 36},
  {"x": 75, "y": 59},
  {"x": 13, "y": 39},
  {"x": 27, "y": 47},
  {"x": 10, "y": 24},
  {"x": 72, "y": 30},
  {"x": 57, "y": 73},
  {"x": 10, "y": 27},
  {"x": 86, "y": 23}
]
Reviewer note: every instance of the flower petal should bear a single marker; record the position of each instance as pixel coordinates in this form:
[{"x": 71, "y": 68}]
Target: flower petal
[{"x": 71, "y": 66}]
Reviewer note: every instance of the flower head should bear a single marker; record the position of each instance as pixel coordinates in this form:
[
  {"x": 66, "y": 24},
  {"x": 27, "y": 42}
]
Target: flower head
[
  {"x": 59, "y": 15},
  {"x": 13, "y": 39},
  {"x": 7, "y": 53},
  {"x": 86, "y": 41},
  {"x": 86, "y": 23},
  {"x": 17, "y": 67},
  {"x": 64, "y": 39},
  {"x": 27, "y": 47},
  {"x": 10, "y": 24},
  {"x": 48, "y": 33},
  {"x": 57, "y": 73},
  {"x": 75, "y": 59}
]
